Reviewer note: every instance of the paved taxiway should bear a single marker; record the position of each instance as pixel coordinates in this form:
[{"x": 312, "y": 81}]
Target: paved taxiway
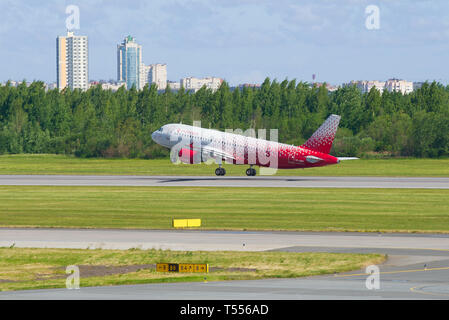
[
  {"x": 417, "y": 267},
  {"x": 230, "y": 181}
]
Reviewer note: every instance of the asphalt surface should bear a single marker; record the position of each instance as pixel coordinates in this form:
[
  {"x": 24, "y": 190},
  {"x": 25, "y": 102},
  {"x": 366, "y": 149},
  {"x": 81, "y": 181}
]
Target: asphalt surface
[
  {"x": 417, "y": 267},
  {"x": 213, "y": 181},
  {"x": 212, "y": 240}
]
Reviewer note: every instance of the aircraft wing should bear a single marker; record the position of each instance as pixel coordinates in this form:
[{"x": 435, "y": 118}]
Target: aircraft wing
[{"x": 214, "y": 152}]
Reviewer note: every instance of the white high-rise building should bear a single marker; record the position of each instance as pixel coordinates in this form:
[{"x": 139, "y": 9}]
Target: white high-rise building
[
  {"x": 158, "y": 74},
  {"x": 366, "y": 86},
  {"x": 196, "y": 84},
  {"x": 72, "y": 62},
  {"x": 144, "y": 74},
  {"x": 390, "y": 85},
  {"x": 399, "y": 85}
]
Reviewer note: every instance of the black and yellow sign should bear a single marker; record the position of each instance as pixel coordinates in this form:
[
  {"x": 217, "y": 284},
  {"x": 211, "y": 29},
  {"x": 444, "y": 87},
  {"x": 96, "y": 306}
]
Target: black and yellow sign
[{"x": 182, "y": 267}]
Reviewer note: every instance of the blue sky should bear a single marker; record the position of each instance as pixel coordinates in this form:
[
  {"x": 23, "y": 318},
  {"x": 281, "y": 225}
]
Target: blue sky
[{"x": 239, "y": 40}]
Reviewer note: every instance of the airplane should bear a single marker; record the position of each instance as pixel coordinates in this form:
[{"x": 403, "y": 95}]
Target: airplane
[{"x": 195, "y": 145}]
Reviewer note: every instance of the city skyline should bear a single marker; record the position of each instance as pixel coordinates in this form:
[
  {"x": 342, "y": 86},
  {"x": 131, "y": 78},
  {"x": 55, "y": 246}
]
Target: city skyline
[{"x": 241, "y": 42}]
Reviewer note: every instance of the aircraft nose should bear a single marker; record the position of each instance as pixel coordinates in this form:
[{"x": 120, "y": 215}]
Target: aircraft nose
[{"x": 154, "y": 136}]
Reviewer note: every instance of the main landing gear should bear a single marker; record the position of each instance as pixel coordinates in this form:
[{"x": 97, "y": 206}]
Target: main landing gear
[
  {"x": 220, "y": 171},
  {"x": 251, "y": 172}
]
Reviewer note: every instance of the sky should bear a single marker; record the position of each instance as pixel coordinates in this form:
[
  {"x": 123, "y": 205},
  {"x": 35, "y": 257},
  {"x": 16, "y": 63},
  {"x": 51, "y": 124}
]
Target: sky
[{"x": 242, "y": 41}]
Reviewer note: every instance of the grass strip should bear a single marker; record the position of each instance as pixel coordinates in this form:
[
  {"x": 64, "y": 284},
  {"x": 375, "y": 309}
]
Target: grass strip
[
  {"x": 301, "y": 209},
  {"x": 22, "y": 269}
]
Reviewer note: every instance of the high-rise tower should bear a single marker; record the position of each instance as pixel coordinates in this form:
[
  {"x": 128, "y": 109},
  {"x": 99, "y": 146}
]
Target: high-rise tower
[
  {"x": 129, "y": 62},
  {"x": 158, "y": 75},
  {"x": 72, "y": 62}
]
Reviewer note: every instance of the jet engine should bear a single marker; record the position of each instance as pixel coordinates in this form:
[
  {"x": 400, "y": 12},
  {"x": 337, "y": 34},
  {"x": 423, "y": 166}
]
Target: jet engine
[{"x": 188, "y": 156}]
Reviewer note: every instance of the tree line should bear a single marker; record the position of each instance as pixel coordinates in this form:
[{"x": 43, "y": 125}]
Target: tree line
[{"x": 103, "y": 123}]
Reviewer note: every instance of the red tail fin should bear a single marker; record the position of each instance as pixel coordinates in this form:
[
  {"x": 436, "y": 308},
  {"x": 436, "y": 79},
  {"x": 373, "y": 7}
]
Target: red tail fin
[{"x": 323, "y": 138}]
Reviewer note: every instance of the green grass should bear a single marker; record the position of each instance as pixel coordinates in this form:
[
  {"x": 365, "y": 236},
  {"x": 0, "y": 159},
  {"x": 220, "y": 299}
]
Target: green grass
[
  {"x": 45, "y": 268},
  {"x": 388, "y": 210},
  {"x": 59, "y": 164}
]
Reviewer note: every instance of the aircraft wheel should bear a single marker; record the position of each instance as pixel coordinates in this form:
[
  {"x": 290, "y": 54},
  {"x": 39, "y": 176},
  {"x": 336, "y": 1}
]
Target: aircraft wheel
[
  {"x": 218, "y": 171},
  {"x": 251, "y": 172},
  {"x": 223, "y": 171}
]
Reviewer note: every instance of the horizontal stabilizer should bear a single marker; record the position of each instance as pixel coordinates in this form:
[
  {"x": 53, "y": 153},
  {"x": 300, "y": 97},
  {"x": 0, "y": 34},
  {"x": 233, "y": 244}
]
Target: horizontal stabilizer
[{"x": 347, "y": 158}]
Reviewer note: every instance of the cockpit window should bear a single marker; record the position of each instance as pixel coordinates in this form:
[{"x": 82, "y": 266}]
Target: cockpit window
[{"x": 160, "y": 129}]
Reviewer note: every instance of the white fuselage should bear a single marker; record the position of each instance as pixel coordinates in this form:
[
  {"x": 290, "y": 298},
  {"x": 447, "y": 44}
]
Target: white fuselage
[{"x": 232, "y": 144}]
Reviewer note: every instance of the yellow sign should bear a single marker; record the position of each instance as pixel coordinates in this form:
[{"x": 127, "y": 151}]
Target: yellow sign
[
  {"x": 180, "y": 223},
  {"x": 182, "y": 267},
  {"x": 186, "y": 223},
  {"x": 194, "y": 222},
  {"x": 188, "y": 267},
  {"x": 162, "y": 267}
]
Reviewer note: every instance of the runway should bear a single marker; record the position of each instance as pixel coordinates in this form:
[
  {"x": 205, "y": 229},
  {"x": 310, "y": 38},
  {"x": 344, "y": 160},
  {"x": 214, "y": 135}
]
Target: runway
[
  {"x": 417, "y": 267},
  {"x": 213, "y": 181},
  {"x": 213, "y": 240}
]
